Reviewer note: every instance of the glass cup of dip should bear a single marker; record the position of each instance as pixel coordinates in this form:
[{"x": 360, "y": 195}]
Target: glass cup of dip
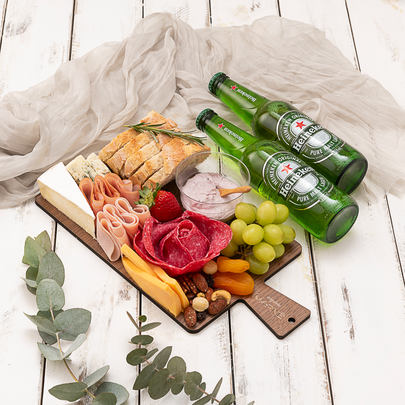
[{"x": 200, "y": 176}]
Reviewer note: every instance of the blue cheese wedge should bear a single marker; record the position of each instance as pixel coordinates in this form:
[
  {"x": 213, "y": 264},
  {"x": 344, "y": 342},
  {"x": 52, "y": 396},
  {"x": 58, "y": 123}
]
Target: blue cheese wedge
[
  {"x": 98, "y": 166},
  {"x": 59, "y": 188},
  {"x": 80, "y": 167}
]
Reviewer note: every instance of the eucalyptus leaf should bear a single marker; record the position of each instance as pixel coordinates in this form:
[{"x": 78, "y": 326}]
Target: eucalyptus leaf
[
  {"x": 31, "y": 274},
  {"x": 202, "y": 401},
  {"x": 160, "y": 384},
  {"x": 43, "y": 324},
  {"x": 151, "y": 353},
  {"x": 176, "y": 365},
  {"x": 46, "y": 337},
  {"x": 227, "y": 399},
  {"x": 51, "y": 267},
  {"x": 50, "y": 294},
  {"x": 118, "y": 390},
  {"x": 33, "y": 252},
  {"x": 44, "y": 241},
  {"x": 161, "y": 359},
  {"x": 96, "y": 376},
  {"x": 106, "y": 398},
  {"x": 198, "y": 392},
  {"x": 216, "y": 390},
  {"x": 193, "y": 380},
  {"x": 149, "y": 326},
  {"x": 133, "y": 320},
  {"x": 136, "y": 356},
  {"x": 142, "y": 318},
  {"x": 30, "y": 283},
  {"x": 69, "y": 392},
  {"x": 178, "y": 383},
  {"x": 50, "y": 352},
  {"x": 144, "y": 377},
  {"x": 72, "y": 322},
  {"x": 142, "y": 339},
  {"x": 76, "y": 343},
  {"x": 251, "y": 403}
]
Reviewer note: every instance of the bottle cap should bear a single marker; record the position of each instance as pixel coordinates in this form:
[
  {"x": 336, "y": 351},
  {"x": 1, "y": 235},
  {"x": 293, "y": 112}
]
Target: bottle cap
[
  {"x": 215, "y": 81},
  {"x": 203, "y": 117}
]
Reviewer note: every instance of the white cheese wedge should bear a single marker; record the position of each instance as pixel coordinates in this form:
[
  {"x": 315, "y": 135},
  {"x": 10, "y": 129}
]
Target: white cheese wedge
[{"x": 58, "y": 187}]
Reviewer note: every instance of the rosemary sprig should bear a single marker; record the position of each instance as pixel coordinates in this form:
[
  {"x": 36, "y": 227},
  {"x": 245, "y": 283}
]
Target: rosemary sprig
[{"x": 155, "y": 129}]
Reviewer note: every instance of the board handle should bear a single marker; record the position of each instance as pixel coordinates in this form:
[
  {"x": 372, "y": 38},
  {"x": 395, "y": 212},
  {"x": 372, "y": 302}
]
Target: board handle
[{"x": 279, "y": 313}]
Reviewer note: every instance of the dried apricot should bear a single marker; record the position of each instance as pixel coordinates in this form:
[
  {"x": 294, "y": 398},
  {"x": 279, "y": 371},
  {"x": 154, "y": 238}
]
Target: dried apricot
[
  {"x": 235, "y": 283},
  {"x": 227, "y": 265}
]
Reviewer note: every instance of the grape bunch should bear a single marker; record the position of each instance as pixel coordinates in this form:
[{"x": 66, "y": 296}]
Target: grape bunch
[{"x": 259, "y": 234}]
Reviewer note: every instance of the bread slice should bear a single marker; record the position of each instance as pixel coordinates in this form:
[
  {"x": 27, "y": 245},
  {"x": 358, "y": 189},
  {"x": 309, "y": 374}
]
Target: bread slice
[
  {"x": 135, "y": 161},
  {"x": 117, "y": 143}
]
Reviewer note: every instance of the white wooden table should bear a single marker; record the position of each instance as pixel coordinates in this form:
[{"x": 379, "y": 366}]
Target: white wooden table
[{"x": 352, "y": 349}]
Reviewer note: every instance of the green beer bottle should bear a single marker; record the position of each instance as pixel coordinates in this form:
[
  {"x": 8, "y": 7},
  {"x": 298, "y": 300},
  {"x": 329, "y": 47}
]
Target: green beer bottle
[
  {"x": 329, "y": 155},
  {"x": 314, "y": 202}
]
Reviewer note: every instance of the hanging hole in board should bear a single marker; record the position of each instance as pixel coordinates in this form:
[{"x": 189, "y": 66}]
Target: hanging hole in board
[{"x": 291, "y": 320}]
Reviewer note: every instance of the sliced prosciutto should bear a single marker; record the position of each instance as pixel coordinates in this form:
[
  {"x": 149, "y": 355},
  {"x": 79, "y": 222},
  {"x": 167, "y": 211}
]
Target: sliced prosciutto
[{"x": 183, "y": 245}]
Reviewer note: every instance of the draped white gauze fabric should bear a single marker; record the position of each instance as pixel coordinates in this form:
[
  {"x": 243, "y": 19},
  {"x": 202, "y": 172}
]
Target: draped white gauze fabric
[{"x": 165, "y": 65}]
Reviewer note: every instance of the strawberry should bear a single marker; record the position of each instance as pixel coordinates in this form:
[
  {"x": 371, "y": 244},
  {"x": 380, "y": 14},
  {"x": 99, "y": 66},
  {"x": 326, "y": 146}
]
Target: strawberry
[{"x": 163, "y": 205}]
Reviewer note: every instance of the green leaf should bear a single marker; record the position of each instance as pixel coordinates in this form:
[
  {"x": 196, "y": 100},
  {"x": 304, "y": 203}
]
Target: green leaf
[
  {"x": 76, "y": 343},
  {"x": 69, "y": 392},
  {"x": 50, "y": 294},
  {"x": 151, "y": 353},
  {"x": 149, "y": 326},
  {"x": 142, "y": 318},
  {"x": 106, "y": 398},
  {"x": 160, "y": 384},
  {"x": 216, "y": 390},
  {"x": 31, "y": 274},
  {"x": 30, "y": 283},
  {"x": 51, "y": 267},
  {"x": 202, "y": 401},
  {"x": 50, "y": 352},
  {"x": 227, "y": 399},
  {"x": 176, "y": 365},
  {"x": 132, "y": 320},
  {"x": 43, "y": 324},
  {"x": 118, "y": 390},
  {"x": 161, "y": 359},
  {"x": 33, "y": 252},
  {"x": 178, "y": 383},
  {"x": 144, "y": 377},
  {"x": 251, "y": 403},
  {"x": 46, "y": 337},
  {"x": 193, "y": 380},
  {"x": 72, "y": 322},
  {"x": 199, "y": 392},
  {"x": 142, "y": 339},
  {"x": 96, "y": 376},
  {"x": 136, "y": 356},
  {"x": 44, "y": 241}
]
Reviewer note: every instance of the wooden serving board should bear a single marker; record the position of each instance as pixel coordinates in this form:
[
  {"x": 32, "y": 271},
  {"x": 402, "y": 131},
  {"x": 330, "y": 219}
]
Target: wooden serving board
[{"x": 278, "y": 312}]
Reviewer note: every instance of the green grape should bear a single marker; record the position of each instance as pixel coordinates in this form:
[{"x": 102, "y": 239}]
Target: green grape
[
  {"x": 273, "y": 234},
  {"x": 237, "y": 226},
  {"x": 282, "y": 214},
  {"x": 245, "y": 212},
  {"x": 253, "y": 234},
  {"x": 289, "y": 233},
  {"x": 279, "y": 249},
  {"x": 230, "y": 250},
  {"x": 264, "y": 252},
  {"x": 255, "y": 266},
  {"x": 253, "y": 206},
  {"x": 266, "y": 213}
]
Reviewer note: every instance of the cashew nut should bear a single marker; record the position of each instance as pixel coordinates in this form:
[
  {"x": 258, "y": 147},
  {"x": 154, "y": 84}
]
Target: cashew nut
[
  {"x": 201, "y": 294},
  {"x": 200, "y": 304},
  {"x": 221, "y": 294}
]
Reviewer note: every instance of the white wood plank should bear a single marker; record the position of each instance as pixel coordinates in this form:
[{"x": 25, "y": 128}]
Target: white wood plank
[
  {"x": 329, "y": 16},
  {"x": 193, "y": 12},
  {"x": 20, "y": 359},
  {"x": 379, "y": 29},
  {"x": 240, "y": 12},
  {"x": 99, "y": 21},
  {"x": 35, "y": 42}
]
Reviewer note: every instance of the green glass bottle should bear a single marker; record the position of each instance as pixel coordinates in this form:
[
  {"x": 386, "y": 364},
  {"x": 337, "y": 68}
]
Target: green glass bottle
[
  {"x": 329, "y": 155},
  {"x": 278, "y": 175}
]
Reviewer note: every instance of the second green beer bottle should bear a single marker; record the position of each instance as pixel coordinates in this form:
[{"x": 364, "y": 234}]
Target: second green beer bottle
[
  {"x": 314, "y": 202},
  {"x": 329, "y": 155}
]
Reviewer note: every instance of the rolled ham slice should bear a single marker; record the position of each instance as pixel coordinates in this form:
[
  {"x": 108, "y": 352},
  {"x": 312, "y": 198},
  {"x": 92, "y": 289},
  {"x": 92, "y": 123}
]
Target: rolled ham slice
[
  {"x": 124, "y": 187},
  {"x": 143, "y": 213},
  {"x": 94, "y": 197}
]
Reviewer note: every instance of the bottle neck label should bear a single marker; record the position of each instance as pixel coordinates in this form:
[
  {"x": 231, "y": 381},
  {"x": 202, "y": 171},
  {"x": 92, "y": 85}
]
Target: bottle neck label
[
  {"x": 294, "y": 181},
  {"x": 306, "y": 138},
  {"x": 243, "y": 92}
]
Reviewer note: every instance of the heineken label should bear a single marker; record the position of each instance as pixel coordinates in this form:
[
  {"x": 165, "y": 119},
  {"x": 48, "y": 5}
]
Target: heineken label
[
  {"x": 296, "y": 182},
  {"x": 306, "y": 138},
  {"x": 243, "y": 92}
]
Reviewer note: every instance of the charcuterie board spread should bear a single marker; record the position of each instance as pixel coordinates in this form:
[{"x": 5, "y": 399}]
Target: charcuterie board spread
[{"x": 193, "y": 266}]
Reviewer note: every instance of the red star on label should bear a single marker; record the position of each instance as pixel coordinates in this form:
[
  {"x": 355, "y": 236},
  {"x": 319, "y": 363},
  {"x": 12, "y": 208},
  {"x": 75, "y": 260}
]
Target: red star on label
[
  {"x": 233, "y": 87},
  {"x": 220, "y": 126},
  {"x": 301, "y": 124},
  {"x": 287, "y": 168}
]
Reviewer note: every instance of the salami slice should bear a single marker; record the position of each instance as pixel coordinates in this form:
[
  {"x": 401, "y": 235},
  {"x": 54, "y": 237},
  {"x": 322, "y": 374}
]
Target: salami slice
[{"x": 183, "y": 245}]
